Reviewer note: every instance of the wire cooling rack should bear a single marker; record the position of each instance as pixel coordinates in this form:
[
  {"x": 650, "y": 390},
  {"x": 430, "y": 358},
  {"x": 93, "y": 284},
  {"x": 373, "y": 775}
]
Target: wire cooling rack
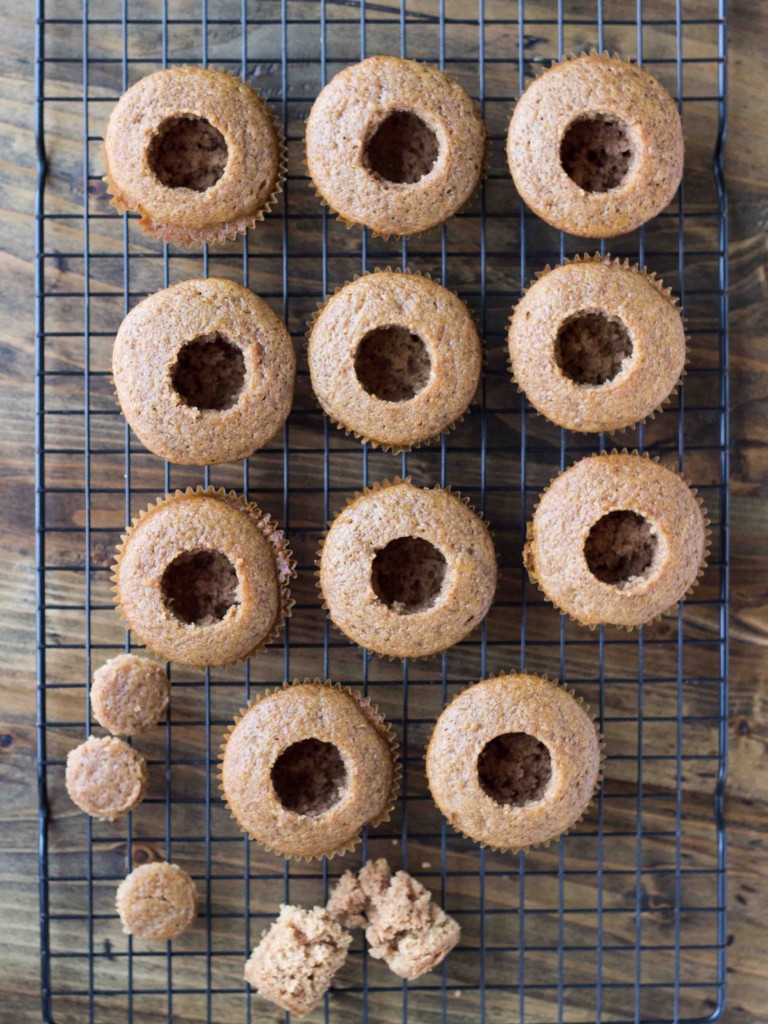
[{"x": 624, "y": 919}]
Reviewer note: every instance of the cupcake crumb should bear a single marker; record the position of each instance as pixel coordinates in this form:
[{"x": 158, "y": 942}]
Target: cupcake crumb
[
  {"x": 404, "y": 926},
  {"x": 295, "y": 961}
]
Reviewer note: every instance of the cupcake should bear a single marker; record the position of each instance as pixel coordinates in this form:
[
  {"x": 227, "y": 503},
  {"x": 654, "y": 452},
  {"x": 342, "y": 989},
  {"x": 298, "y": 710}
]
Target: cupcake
[
  {"x": 105, "y": 777},
  {"x": 394, "y": 359},
  {"x": 296, "y": 960},
  {"x": 129, "y": 695},
  {"x": 395, "y": 145},
  {"x": 305, "y": 768},
  {"x": 157, "y": 902},
  {"x": 403, "y": 925},
  {"x": 204, "y": 371},
  {"x": 616, "y": 539},
  {"x": 196, "y": 152},
  {"x": 405, "y": 571},
  {"x": 595, "y": 146},
  {"x": 514, "y": 761},
  {"x": 597, "y": 344},
  {"x": 202, "y": 578}
]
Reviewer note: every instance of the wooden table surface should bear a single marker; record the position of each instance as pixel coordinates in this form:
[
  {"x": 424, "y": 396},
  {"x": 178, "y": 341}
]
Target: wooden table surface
[{"x": 747, "y": 795}]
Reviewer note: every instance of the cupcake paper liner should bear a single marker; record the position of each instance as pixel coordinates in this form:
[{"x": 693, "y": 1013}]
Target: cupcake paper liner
[
  {"x": 285, "y": 566},
  {"x": 197, "y": 237},
  {"x": 658, "y": 284},
  {"x": 385, "y": 446},
  {"x": 656, "y": 618},
  {"x": 598, "y": 781},
  {"x": 382, "y": 727}
]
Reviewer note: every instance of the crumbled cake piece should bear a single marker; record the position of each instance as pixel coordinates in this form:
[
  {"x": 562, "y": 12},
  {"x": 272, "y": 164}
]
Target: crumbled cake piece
[
  {"x": 295, "y": 961},
  {"x": 348, "y": 902},
  {"x": 404, "y": 926}
]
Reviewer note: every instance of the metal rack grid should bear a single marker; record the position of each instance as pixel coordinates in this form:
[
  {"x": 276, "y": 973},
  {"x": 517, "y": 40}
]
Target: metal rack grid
[{"x": 624, "y": 919}]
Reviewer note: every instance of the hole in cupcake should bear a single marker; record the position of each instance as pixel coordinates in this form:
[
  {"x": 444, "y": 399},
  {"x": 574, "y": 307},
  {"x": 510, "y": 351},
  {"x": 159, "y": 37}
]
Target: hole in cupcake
[
  {"x": 402, "y": 149},
  {"x": 592, "y": 348},
  {"x": 188, "y": 152},
  {"x": 209, "y": 372},
  {"x": 514, "y": 768},
  {"x": 199, "y": 587},
  {"x": 620, "y": 548},
  {"x": 392, "y": 364},
  {"x": 308, "y": 777},
  {"x": 408, "y": 574},
  {"x": 596, "y": 152}
]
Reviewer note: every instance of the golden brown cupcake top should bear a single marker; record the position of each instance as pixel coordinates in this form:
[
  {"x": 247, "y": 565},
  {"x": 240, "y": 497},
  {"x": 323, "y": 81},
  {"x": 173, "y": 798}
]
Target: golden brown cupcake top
[
  {"x": 394, "y": 358},
  {"x": 596, "y": 344},
  {"x": 616, "y": 539},
  {"x": 306, "y": 767},
  {"x": 407, "y": 572},
  {"x": 295, "y": 961},
  {"x": 105, "y": 777},
  {"x": 595, "y": 146},
  {"x": 129, "y": 694},
  {"x": 157, "y": 901},
  {"x": 204, "y": 371},
  {"x": 395, "y": 145},
  {"x": 514, "y": 761},
  {"x": 196, "y": 152},
  {"x": 202, "y": 578}
]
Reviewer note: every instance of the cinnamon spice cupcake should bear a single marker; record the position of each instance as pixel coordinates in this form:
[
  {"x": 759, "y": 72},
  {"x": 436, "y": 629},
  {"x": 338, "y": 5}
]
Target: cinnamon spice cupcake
[
  {"x": 105, "y": 777},
  {"x": 204, "y": 371},
  {"x": 129, "y": 695},
  {"x": 196, "y": 152},
  {"x": 597, "y": 344},
  {"x": 202, "y": 578},
  {"x": 157, "y": 901},
  {"x": 395, "y": 145},
  {"x": 305, "y": 768},
  {"x": 514, "y": 761},
  {"x": 595, "y": 146},
  {"x": 616, "y": 539},
  {"x": 405, "y": 571},
  {"x": 394, "y": 359}
]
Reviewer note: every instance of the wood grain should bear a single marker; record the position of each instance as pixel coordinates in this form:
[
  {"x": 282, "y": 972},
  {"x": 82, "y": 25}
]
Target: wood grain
[{"x": 747, "y": 801}]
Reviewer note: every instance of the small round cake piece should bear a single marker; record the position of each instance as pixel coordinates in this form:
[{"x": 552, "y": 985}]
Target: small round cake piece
[
  {"x": 407, "y": 572},
  {"x": 105, "y": 777},
  {"x": 395, "y": 359},
  {"x": 204, "y": 371},
  {"x": 202, "y": 578},
  {"x": 514, "y": 761},
  {"x": 395, "y": 145},
  {"x": 616, "y": 539},
  {"x": 157, "y": 901},
  {"x": 196, "y": 152},
  {"x": 305, "y": 768},
  {"x": 595, "y": 146},
  {"x": 129, "y": 694},
  {"x": 596, "y": 344}
]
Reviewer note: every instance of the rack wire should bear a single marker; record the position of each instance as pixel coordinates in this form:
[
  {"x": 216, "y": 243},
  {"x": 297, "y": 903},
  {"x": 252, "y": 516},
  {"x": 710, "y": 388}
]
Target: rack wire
[{"x": 624, "y": 919}]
